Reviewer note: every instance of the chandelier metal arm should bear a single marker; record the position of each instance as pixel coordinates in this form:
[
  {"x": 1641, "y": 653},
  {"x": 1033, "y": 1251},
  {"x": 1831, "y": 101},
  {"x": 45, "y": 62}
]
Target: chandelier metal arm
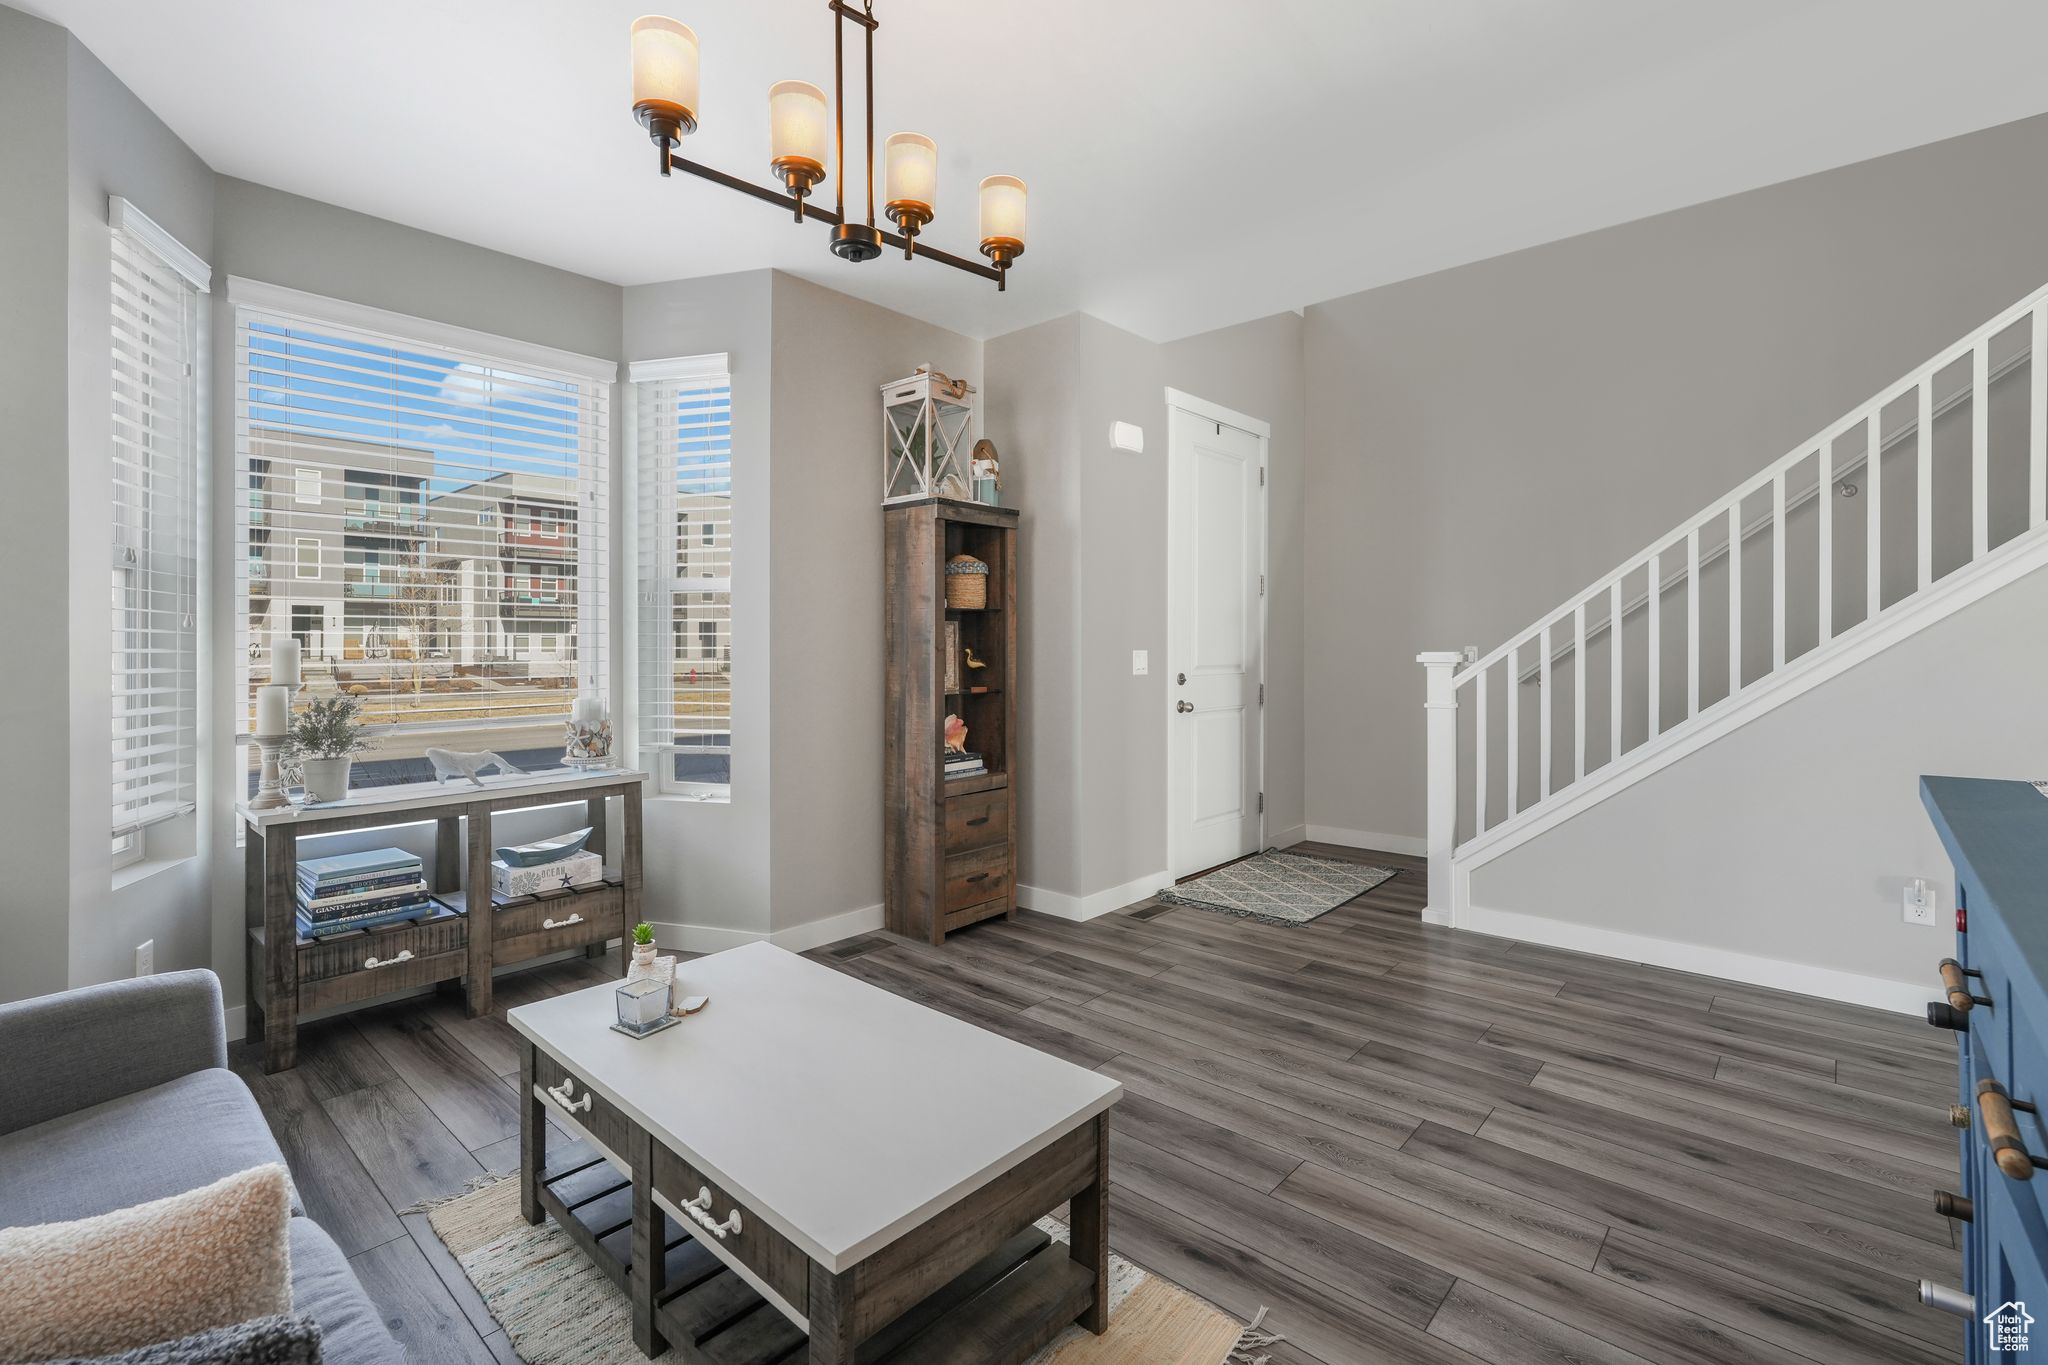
[{"x": 824, "y": 215}]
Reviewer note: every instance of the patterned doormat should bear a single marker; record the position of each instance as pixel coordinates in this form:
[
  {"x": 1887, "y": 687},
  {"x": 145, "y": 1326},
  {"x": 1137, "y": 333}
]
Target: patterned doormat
[{"x": 1278, "y": 888}]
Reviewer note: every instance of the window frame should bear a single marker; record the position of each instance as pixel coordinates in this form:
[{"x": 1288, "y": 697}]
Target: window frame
[
  {"x": 157, "y": 536},
  {"x": 661, "y": 565},
  {"x": 594, "y": 380}
]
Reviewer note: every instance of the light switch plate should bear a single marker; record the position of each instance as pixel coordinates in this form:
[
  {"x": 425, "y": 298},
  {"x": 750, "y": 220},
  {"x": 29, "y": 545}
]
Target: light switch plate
[
  {"x": 1141, "y": 663},
  {"x": 145, "y": 957}
]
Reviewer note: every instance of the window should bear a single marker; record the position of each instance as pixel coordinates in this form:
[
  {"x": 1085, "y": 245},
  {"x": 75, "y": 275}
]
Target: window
[
  {"x": 157, "y": 287},
  {"x": 440, "y": 609},
  {"x": 306, "y": 485},
  {"x": 683, "y": 438}
]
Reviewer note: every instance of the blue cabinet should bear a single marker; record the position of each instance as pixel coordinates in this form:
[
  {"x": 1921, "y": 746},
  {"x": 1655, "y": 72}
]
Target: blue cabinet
[{"x": 1996, "y": 834}]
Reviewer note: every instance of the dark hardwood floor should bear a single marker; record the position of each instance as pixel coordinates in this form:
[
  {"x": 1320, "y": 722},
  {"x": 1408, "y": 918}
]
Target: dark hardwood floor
[{"x": 1408, "y": 1143}]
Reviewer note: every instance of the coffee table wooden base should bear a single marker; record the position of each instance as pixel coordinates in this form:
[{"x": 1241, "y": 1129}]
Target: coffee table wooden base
[{"x": 977, "y": 1284}]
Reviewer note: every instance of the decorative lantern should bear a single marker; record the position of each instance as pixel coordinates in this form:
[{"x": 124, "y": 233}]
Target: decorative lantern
[
  {"x": 643, "y": 1005},
  {"x": 924, "y": 437}
]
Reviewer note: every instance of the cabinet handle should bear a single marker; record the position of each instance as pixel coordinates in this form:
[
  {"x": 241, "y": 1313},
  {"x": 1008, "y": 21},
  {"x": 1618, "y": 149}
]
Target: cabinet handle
[
  {"x": 561, "y": 923},
  {"x": 1953, "y": 974},
  {"x": 561, "y": 1094},
  {"x": 372, "y": 963},
  {"x": 2002, "y": 1131},
  {"x": 699, "y": 1210},
  {"x": 979, "y": 820},
  {"x": 978, "y": 877}
]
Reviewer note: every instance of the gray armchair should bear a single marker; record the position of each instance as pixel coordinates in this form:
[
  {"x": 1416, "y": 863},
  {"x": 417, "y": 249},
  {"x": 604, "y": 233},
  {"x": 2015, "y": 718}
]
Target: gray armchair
[
  {"x": 120, "y": 1094},
  {"x": 70, "y": 1051}
]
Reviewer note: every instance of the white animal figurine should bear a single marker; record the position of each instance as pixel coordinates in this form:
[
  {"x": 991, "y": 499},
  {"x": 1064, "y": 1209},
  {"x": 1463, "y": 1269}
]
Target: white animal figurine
[{"x": 452, "y": 763}]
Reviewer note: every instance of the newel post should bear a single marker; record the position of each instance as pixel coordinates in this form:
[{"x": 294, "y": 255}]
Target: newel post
[{"x": 1440, "y": 709}]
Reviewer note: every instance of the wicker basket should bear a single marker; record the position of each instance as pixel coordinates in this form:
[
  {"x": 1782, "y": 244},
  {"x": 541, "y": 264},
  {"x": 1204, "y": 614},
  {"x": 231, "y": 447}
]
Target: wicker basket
[{"x": 966, "y": 583}]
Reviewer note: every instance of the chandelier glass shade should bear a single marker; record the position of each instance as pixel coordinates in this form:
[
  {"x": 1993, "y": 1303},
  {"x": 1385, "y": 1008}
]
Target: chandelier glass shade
[{"x": 807, "y": 146}]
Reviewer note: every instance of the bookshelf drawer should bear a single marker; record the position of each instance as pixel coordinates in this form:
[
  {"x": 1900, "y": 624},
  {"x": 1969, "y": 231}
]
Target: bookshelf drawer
[
  {"x": 391, "y": 949},
  {"x": 981, "y": 875},
  {"x": 977, "y": 819}
]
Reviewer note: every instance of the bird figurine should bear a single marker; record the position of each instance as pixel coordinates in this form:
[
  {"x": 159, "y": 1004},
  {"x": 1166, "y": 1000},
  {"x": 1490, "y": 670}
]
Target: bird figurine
[
  {"x": 973, "y": 662},
  {"x": 455, "y": 763}
]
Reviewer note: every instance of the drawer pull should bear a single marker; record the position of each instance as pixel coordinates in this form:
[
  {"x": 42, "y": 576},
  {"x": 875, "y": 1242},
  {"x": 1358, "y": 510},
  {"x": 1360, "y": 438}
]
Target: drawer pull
[
  {"x": 561, "y": 1094},
  {"x": 699, "y": 1210},
  {"x": 561, "y": 923},
  {"x": 1953, "y": 981},
  {"x": 2002, "y": 1132},
  {"x": 978, "y": 877},
  {"x": 979, "y": 820},
  {"x": 372, "y": 963}
]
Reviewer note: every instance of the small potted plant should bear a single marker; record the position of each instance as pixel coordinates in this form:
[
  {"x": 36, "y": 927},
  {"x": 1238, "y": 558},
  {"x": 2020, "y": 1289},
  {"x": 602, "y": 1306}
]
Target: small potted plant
[
  {"x": 325, "y": 738},
  {"x": 643, "y": 944}
]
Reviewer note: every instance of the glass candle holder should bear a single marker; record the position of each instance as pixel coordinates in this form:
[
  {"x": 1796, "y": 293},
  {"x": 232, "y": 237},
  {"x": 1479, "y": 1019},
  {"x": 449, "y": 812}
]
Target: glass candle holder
[{"x": 643, "y": 1005}]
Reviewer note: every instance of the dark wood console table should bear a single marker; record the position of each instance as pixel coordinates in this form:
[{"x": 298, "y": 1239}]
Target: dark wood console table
[{"x": 289, "y": 976}]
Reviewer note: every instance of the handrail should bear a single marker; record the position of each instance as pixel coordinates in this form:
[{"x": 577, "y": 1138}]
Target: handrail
[
  {"x": 1906, "y": 384},
  {"x": 1677, "y": 558}
]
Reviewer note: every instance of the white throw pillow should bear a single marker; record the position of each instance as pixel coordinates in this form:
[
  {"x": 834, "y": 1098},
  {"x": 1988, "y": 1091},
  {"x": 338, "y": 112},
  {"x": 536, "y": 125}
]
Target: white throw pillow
[{"x": 209, "y": 1257}]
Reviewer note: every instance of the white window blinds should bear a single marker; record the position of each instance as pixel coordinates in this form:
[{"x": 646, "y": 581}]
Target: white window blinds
[
  {"x": 683, "y": 435},
  {"x": 155, "y": 533},
  {"x": 427, "y": 512}
]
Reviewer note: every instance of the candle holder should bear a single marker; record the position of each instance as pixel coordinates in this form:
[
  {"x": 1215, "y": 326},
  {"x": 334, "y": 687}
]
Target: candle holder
[{"x": 269, "y": 791}]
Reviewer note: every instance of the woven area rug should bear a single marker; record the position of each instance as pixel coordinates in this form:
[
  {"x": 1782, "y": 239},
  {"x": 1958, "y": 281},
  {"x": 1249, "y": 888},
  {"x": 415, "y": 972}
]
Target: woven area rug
[
  {"x": 1278, "y": 888},
  {"x": 559, "y": 1309}
]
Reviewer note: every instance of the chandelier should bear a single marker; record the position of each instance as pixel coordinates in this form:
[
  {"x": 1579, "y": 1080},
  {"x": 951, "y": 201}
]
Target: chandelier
[{"x": 665, "y": 101}]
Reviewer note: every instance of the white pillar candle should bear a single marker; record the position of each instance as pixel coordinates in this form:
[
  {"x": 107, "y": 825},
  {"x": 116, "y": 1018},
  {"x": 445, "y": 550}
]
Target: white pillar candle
[
  {"x": 273, "y": 711},
  {"x": 284, "y": 661},
  {"x": 588, "y": 710}
]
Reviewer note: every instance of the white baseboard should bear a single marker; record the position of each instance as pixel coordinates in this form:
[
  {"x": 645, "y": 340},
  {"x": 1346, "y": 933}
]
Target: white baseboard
[
  {"x": 798, "y": 938},
  {"x": 1905, "y": 997},
  {"x": 1287, "y": 838},
  {"x": 1062, "y": 906},
  {"x": 801, "y": 938},
  {"x": 1409, "y": 844},
  {"x": 237, "y": 1019}
]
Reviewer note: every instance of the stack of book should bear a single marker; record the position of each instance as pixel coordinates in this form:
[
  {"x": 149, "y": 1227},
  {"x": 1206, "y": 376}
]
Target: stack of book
[
  {"x": 361, "y": 891},
  {"x": 962, "y": 764}
]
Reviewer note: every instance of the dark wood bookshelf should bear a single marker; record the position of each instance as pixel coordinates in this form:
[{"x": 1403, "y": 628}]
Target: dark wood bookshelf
[{"x": 949, "y": 844}]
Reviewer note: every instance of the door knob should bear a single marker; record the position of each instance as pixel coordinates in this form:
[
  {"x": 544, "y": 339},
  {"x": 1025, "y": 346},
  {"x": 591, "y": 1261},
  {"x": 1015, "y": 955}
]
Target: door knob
[
  {"x": 1183, "y": 706},
  {"x": 1180, "y": 679}
]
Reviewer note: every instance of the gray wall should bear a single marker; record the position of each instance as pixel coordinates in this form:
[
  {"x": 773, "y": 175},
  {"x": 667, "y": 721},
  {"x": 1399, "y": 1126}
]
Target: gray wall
[
  {"x": 117, "y": 146},
  {"x": 832, "y": 355},
  {"x": 34, "y": 728},
  {"x": 709, "y": 863},
  {"x": 1485, "y": 441},
  {"x": 1808, "y": 866},
  {"x": 1093, "y": 817}
]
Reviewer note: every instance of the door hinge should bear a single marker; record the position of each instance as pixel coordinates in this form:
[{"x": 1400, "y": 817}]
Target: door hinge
[
  {"x": 1262, "y": 476},
  {"x": 1262, "y": 803},
  {"x": 1262, "y": 585},
  {"x": 1262, "y": 694}
]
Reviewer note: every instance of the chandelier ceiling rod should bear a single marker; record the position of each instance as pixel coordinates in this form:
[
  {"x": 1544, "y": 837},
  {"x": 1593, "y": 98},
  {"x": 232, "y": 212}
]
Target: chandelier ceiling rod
[{"x": 665, "y": 101}]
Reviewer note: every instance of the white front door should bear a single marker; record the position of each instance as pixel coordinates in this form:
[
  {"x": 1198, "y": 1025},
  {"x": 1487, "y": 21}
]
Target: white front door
[{"x": 1215, "y": 637}]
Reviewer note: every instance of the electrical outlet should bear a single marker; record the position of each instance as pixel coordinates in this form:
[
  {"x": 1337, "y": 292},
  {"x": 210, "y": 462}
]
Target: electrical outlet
[
  {"x": 1917, "y": 902},
  {"x": 1141, "y": 663},
  {"x": 145, "y": 958}
]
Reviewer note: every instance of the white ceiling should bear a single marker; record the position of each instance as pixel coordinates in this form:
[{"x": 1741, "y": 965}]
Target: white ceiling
[{"x": 1192, "y": 163}]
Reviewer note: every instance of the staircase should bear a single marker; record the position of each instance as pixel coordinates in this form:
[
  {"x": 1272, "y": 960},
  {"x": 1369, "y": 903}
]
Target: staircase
[{"x": 1920, "y": 501}]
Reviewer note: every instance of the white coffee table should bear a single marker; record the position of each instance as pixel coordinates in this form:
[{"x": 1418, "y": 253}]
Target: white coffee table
[{"x": 817, "y": 1158}]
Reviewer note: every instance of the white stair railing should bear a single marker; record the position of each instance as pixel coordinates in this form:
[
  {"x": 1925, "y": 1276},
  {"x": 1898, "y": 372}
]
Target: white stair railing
[{"x": 1479, "y": 790}]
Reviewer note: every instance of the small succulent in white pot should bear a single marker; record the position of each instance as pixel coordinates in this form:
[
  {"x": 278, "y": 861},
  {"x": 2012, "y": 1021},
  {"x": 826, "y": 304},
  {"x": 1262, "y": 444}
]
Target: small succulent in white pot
[{"x": 325, "y": 737}]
